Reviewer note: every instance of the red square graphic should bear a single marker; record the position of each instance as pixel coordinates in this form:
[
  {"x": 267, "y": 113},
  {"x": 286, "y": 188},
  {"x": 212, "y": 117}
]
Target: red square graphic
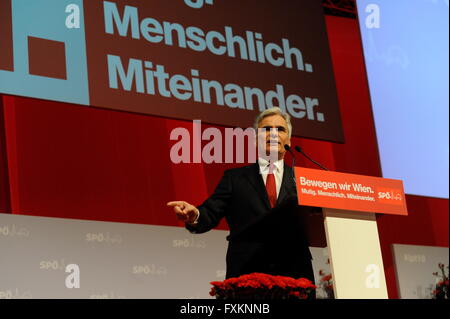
[
  {"x": 6, "y": 38},
  {"x": 47, "y": 58}
]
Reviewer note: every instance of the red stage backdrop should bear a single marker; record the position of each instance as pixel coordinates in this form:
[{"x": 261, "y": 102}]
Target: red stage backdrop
[{"x": 71, "y": 161}]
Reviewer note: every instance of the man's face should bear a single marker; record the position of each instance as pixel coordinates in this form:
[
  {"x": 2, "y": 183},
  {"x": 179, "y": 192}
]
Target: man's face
[{"x": 275, "y": 136}]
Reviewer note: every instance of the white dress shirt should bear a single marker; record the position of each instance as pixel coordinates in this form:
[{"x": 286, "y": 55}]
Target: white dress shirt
[{"x": 277, "y": 171}]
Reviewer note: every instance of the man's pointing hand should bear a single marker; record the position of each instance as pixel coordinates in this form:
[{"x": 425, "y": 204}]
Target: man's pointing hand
[{"x": 185, "y": 211}]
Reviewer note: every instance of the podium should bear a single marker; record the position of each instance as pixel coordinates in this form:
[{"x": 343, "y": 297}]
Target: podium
[{"x": 349, "y": 205}]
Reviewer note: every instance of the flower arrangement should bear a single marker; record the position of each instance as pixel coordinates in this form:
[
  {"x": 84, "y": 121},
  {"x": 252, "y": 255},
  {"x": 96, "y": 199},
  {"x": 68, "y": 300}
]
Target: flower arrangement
[
  {"x": 441, "y": 289},
  {"x": 262, "y": 286}
]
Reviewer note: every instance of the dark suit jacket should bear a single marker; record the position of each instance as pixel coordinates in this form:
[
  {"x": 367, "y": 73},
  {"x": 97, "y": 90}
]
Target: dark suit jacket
[{"x": 261, "y": 239}]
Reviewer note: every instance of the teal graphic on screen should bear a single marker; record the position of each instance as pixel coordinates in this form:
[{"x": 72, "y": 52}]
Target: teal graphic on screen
[
  {"x": 43, "y": 57},
  {"x": 406, "y": 53}
]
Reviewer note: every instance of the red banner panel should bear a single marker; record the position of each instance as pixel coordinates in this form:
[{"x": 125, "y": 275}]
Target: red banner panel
[
  {"x": 350, "y": 192},
  {"x": 221, "y": 62}
]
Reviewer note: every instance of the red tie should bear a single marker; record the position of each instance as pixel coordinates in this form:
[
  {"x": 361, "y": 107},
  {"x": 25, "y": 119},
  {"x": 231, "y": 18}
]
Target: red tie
[{"x": 271, "y": 187}]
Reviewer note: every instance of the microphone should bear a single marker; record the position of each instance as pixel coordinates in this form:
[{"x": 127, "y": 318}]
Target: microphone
[
  {"x": 289, "y": 149},
  {"x": 298, "y": 149}
]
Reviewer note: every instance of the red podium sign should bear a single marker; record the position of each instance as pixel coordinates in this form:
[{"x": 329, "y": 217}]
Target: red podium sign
[{"x": 350, "y": 192}]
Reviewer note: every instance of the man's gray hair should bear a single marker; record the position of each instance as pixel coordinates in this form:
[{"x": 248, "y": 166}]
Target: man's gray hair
[{"x": 273, "y": 111}]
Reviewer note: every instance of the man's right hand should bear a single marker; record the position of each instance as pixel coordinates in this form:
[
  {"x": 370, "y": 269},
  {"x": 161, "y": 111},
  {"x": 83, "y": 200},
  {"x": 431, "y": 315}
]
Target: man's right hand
[{"x": 185, "y": 211}]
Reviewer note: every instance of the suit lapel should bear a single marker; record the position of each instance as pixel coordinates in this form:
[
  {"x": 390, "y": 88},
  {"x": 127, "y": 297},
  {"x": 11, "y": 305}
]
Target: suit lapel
[
  {"x": 287, "y": 184},
  {"x": 257, "y": 182}
]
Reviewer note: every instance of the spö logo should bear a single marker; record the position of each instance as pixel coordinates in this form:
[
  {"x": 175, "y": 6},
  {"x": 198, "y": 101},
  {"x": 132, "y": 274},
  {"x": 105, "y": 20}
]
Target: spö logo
[{"x": 43, "y": 50}]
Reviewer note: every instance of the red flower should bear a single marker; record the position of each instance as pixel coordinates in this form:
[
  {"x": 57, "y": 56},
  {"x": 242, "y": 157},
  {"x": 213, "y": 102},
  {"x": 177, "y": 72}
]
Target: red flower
[
  {"x": 250, "y": 285},
  {"x": 304, "y": 283}
]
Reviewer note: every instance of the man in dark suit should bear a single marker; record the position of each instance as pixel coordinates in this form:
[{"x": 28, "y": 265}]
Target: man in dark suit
[{"x": 259, "y": 203}]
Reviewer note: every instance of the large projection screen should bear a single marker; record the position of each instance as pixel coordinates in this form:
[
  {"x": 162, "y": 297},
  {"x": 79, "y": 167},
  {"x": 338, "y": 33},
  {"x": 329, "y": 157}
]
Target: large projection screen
[
  {"x": 221, "y": 62},
  {"x": 406, "y": 53}
]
